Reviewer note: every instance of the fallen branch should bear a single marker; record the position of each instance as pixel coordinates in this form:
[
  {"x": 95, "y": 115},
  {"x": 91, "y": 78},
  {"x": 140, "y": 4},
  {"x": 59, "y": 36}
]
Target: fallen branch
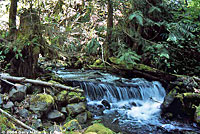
[
  {"x": 38, "y": 82},
  {"x": 18, "y": 122}
]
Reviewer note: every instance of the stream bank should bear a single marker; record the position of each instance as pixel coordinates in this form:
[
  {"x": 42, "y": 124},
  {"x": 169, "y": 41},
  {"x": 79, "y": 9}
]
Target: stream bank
[{"x": 64, "y": 107}]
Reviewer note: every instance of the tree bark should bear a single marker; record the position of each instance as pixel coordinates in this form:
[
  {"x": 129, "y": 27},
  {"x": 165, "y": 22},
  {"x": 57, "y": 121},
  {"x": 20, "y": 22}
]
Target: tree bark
[
  {"x": 109, "y": 29},
  {"x": 12, "y": 17}
]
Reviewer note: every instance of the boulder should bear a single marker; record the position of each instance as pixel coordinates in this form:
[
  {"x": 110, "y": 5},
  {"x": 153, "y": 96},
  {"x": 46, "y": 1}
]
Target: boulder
[
  {"x": 181, "y": 104},
  {"x": 24, "y": 113},
  {"x": 56, "y": 116},
  {"x": 37, "y": 124},
  {"x": 41, "y": 103},
  {"x": 55, "y": 129},
  {"x": 8, "y": 105},
  {"x": 72, "y": 125},
  {"x": 99, "y": 129},
  {"x": 76, "y": 108},
  {"x": 18, "y": 93},
  {"x": 106, "y": 104},
  {"x": 82, "y": 117},
  {"x": 169, "y": 99},
  {"x": 63, "y": 98}
]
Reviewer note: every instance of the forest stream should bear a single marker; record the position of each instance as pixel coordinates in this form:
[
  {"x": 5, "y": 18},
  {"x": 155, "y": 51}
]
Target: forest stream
[{"x": 124, "y": 105}]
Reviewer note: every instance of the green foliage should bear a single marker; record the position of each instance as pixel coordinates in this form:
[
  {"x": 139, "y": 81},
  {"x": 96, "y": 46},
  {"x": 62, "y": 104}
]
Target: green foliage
[
  {"x": 92, "y": 46},
  {"x": 138, "y": 16},
  {"x": 129, "y": 57}
]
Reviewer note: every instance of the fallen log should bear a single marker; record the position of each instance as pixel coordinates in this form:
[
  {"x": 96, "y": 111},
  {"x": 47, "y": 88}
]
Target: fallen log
[
  {"x": 38, "y": 82},
  {"x": 18, "y": 122}
]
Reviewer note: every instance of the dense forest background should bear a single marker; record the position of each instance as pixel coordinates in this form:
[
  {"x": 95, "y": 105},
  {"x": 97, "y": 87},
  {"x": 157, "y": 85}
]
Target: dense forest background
[{"x": 163, "y": 34}]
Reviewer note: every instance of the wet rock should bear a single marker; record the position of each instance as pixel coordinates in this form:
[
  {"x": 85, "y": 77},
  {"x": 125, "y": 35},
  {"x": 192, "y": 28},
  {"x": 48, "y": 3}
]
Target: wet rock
[
  {"x": 76, "y": 108},
  {"x": 56, "y": 116},
  {"x": 37, "y": 124},
  {"x": 181, "y": 105},
  {"x": 106, "y": 104},
  {"x": 96, "y": 110},
  {"x": 41, "y": 103},
  {"x": 99, "y": 129},
  {"x": 24, "y": 113},
  {"x": 64, "y": 111},
  {"x": 197, "y": 115},
  {"x": 18, "y": 93},
  {"x": 54, "y": 128},
  {"x": 8, "y": 105},
  {"x": 82, "y": 117},
  {"x": 72, "y": 125},
  {"x": 133, "y": 103},
  {"x": 169, "y": 99}
]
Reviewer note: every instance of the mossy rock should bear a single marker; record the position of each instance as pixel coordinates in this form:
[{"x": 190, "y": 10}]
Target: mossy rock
[
  {"x": 74, "y": 97},
  {"x": 72, "y": 125},
  {"x": 169, "y": 99},
  {"x": 41, "y": 103},
  {"x": 43, "y": 98},
  {"x": 61, "y": 98},
  {"x": 99, "y": 129},
  {"x": 76, "y": 108},
  {"x": 5, "y": 124}
]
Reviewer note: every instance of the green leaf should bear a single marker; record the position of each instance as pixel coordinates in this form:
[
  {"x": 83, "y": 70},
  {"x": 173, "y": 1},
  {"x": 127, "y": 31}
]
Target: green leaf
[
  {"x": 172, "y": 37},
  {"x": 138, "y": 15},
  {"x": 153, "y": 9}
]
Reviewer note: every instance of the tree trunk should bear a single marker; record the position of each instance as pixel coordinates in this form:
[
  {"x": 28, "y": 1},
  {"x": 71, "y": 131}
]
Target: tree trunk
[
  {"x": 29, "y": 30},
  {"x": 12, "y": 18},
  {"x": 109, "y": 29}
]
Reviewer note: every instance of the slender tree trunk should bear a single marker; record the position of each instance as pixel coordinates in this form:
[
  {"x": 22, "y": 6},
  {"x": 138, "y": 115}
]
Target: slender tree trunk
[
  {"x": 109, "y": 29},
  {"x": 12, "y": 17}
]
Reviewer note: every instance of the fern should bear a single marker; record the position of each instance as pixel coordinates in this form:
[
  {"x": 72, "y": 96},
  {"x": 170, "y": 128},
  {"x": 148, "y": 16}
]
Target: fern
[{"x": 129, "y": 57}]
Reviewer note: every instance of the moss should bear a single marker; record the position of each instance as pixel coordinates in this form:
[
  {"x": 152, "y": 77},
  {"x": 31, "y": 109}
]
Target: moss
[
  {"x": 43, "y": 98},
  {"x": 5, "y": 124},
  {"x": 72, "y": 125},
  {"x": 74, "y": 94},
  {"x": 99, "y": 129},
  {"x": 53, "y": 82},
  {"x": 97, "y": 62},
  {"x": 89, "y": 115},
  {"x": 74, "y": 97},
  {"x": 144, "y": 67},
  {"x": 62, "y": 95}
]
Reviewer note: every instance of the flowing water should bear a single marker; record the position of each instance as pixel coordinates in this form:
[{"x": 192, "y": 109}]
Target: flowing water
[{"x": 124, "y": 105}]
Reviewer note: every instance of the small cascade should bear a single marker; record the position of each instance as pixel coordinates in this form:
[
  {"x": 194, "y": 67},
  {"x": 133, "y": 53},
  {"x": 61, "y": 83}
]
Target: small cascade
[
  {"x": 133, "y": 106},
  {"x": 138, "y": 89}
]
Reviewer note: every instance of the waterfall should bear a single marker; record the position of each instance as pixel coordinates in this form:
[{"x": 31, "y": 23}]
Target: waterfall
[
  {"x": 138, "y": 89},
  {"x": 134, "y": 104}
]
